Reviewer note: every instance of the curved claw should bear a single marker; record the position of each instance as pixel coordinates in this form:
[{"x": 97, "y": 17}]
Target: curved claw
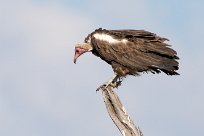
[{"x": 101, "y": 86}]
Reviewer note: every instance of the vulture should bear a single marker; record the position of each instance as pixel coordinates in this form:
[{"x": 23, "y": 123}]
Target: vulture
[{"x": 130, "y": 52}]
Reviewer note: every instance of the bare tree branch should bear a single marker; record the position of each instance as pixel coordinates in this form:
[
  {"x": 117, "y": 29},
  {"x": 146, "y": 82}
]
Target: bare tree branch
[{"x": 118, "y": 113}]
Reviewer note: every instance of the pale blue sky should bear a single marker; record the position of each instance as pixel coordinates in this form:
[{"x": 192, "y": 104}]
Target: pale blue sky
[{"x": 43, "y": 93}]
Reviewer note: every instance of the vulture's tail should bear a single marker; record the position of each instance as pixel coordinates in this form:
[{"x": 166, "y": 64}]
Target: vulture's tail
[{"x": 167, "y": 65}]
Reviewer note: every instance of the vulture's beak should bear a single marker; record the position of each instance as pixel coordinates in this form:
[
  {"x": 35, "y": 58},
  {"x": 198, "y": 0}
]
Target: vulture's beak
[
  {"x": 78, "y": 52},
  {"x": 81, "y": 49},
  {"x": 76, "y": 56}
]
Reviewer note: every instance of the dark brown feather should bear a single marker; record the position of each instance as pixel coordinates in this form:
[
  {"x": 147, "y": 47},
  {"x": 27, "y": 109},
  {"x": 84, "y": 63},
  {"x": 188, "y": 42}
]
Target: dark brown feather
[{"x": 143, "y": 51}]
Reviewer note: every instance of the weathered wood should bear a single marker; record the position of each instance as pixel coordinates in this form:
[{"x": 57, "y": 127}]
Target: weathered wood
[{"x": 118, "y": 113}]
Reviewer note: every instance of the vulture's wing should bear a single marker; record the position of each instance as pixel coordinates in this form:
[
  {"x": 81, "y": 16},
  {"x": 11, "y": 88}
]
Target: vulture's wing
[{"x": 137, "y": 50}]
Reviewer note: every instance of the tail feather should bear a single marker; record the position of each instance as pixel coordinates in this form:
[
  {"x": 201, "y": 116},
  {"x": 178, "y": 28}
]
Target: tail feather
[{"x": 169, "y": 67}]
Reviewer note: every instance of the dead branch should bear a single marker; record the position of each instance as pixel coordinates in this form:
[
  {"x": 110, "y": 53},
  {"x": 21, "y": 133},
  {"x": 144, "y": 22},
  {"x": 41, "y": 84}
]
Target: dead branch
[{"x": 118, "y": 113}]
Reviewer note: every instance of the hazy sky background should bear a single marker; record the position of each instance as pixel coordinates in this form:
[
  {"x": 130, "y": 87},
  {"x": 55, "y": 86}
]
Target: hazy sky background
[{"x": 43, "y": 93}]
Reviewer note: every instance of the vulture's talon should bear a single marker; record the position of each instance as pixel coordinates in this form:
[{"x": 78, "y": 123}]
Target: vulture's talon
[
  {"x": 100, "y": 87},
  {"x": 118, "y": 83},
  {"x": 113, "y": 84}
]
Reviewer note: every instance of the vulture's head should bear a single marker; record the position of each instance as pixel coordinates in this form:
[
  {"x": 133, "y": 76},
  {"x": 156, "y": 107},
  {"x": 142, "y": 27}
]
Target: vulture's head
[{"x": 81, "y": 49}]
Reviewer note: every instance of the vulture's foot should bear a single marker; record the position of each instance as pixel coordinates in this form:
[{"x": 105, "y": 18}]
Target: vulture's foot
[{"x": 114, "y": 83}]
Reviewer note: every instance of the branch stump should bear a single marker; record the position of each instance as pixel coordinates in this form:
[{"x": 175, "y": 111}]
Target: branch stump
[{"x": 118, "y": 113}]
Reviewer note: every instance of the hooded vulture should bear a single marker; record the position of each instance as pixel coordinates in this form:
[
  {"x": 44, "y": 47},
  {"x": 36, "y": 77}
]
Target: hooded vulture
[{"x": 130, "y": 52}]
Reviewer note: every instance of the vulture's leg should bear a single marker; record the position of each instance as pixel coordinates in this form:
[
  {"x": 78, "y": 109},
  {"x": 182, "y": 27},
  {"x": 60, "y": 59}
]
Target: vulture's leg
[
  {"x": 115, "y": 81},
  {"x": 112, "y": 80}
]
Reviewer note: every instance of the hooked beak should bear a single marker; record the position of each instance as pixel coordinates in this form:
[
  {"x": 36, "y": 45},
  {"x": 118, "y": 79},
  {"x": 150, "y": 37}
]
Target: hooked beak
[
  {"x": 81, "y": 49},
  {"x": 78, "y": 52},
  {"x": 76, "y": 56}
]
